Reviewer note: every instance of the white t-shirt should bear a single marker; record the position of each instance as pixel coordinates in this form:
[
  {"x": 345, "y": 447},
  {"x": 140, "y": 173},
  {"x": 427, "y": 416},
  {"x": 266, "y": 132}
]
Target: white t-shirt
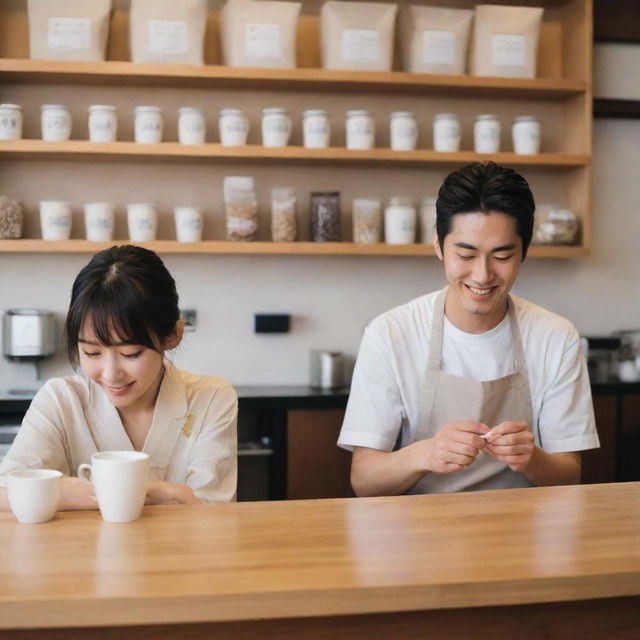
[
  {"x": 388, "y": 378},
  {"x": 192, "y": 440}
]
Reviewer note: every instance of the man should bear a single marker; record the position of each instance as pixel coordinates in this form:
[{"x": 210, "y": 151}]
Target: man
[{"x": 470, "y": 388}]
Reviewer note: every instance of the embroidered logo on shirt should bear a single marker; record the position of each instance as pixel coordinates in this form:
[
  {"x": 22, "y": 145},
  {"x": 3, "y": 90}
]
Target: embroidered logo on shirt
[{"x": 187, "y": 424}]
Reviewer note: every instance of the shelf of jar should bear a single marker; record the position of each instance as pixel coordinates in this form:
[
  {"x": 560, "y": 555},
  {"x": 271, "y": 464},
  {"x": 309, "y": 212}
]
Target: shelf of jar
[
  {"x": 84, "y": 150},
  {"x": 18, "y": 70},
  {"x": 264, "y": 248}
]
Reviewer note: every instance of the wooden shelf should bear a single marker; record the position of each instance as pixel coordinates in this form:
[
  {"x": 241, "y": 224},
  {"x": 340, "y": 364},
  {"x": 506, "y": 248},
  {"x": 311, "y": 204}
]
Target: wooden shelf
[
  {"x": 14, "y": 70},
  {"x": 262, "y": 248},
  {"x": 84, "y": 150}
]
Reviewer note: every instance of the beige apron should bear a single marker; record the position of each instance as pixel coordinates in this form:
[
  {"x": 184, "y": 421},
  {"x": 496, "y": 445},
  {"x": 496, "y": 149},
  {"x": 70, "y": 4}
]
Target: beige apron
[{"x": 447, "y": 397}]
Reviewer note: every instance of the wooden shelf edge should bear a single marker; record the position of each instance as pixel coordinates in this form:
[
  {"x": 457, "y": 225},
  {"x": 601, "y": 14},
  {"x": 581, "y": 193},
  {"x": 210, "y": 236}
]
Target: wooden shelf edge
[
  {"x": 82, "y": 150},
  {"x": 22, "y": 70},
  {"x": 262, "y": 248}
]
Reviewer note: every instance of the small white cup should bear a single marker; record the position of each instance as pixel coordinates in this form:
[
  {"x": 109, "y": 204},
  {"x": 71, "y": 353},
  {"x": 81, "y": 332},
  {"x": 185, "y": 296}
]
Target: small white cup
[
  {"x": 148, "y": 125},
  {"x": 120, "y": 480},
  {"x": 188, "y": 224},
  {"x": 400, "y": 225},
  {"x": 55, "y": 220},
  {"x": 276, "y": 127},
  {"x": 10, "y": 122},
  {"x": 55, "y": 122},
  {"x": 192, "y": 126},
  {"x": 34, "y": 494},
  {"x": 103, "y": 123},
  {"x": 233, "y": 126},
  {"x": 142, "y": 219},
  {"x": 98, "y": 221}
]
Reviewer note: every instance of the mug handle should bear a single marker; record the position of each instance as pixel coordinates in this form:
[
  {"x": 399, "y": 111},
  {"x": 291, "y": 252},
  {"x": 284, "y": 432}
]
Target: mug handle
[{"x": 83, "y": 470}]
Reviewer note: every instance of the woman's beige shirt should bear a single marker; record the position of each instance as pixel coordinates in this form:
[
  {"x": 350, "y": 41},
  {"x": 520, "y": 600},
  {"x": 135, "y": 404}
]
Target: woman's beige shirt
[{"x": 192, "y": 440}]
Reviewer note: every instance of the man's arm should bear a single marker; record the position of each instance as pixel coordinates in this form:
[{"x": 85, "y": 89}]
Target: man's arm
[{"x": 452, "y": 449}]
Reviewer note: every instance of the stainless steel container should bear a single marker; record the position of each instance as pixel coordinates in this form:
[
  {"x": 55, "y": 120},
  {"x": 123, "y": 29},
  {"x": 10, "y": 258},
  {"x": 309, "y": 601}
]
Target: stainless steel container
[
  {"x": 28, "y": 334},
  {"x": 327, "y": 369}
]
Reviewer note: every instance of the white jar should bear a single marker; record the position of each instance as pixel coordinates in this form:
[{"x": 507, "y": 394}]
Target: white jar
[
  {"x": 526, "y": 135},
  {"x": 234, "y": 128},
  {"x": 400, "y": 224},
  {"x": 192, "y": 126},
  {"x": 446, "y": 132},
  {"x": 55, "y": 122},
  {"x": 55, "y": 220},
  {"x": 486, "y": 134},
  {"x": 360, "y": 130},
  {"x": 276, "y": 127},
  {"x": 103, "y": 123},
  {"x": 10, "y": 122},
  {"x": 188, "y": 224},
  {"x": 316, "y": 129},
  {"x": 98, "y": 221},
  {"x": 142, "y": 220},
  {"x": 403, "y": 131},
  {"x": 148, "y": 125},
  {"x": 427, "y": 220}
]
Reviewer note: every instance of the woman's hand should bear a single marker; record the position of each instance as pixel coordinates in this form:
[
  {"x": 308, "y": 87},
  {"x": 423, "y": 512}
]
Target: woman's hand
[
  {"x": 161, "y": 492},
  {"x": 77, "y": 495}
]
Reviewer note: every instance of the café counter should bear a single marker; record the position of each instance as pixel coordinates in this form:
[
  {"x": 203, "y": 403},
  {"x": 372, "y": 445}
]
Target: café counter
[{"x": 554, "y": 562}]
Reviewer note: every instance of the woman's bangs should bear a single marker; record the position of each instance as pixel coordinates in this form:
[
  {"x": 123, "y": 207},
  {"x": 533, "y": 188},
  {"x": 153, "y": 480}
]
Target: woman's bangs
[{"x": 113, "y": 322}]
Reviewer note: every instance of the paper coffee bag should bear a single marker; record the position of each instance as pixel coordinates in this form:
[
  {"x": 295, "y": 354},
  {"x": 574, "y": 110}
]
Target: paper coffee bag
[
  {"x": 357, "y": 35},
  {"x": 168, "y": 31},
  {"x": 68, "y": 29},
  {"x": 505, "y": 41}
]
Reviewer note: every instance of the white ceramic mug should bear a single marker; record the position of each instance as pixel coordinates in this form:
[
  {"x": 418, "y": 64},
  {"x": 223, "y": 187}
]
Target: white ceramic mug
[
  {"x": 55, "y": 220},
  {"x": 34, "y": 494},
  {"x": 98, "y": 220},
  {"x": 120, "y": 480},
  {"x": 188, "y": 224},
  {"x": 142, "y": 219}
]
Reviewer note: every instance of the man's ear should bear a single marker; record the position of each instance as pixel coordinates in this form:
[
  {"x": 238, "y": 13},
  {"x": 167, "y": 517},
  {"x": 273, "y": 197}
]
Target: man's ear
[
  {"x": 436, "y": 245},
  {"x": 176, "y": 337}
]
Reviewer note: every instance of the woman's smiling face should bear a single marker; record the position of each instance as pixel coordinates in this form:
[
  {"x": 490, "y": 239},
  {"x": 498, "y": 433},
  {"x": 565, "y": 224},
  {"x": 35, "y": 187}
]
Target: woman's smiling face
[{"x": 129, "y": 374}]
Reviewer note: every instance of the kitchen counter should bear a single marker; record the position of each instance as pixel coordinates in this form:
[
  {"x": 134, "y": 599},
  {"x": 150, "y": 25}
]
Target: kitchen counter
[{"x": 561, "y": 562}]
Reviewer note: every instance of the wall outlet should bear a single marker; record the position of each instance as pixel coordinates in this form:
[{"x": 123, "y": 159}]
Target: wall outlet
[{"x": 189, "y": 316}]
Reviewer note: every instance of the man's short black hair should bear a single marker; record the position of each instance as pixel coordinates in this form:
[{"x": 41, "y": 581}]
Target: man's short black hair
[{"x": 486, "y": 188}]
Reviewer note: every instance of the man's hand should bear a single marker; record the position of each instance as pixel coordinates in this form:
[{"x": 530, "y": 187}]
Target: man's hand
[
  {"x": 455, "y": 446},
  {"x": 511, "y": 443}
]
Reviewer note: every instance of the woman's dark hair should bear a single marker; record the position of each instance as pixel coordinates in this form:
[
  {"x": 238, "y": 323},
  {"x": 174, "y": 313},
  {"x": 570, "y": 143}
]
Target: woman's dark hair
[
  {"x": 128, "y": 294},
  {"x": 486, "y": 188}
]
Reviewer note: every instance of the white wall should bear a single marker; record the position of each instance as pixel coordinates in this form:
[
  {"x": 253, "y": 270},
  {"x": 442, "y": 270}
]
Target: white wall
[{"x": 332, "y": 298}]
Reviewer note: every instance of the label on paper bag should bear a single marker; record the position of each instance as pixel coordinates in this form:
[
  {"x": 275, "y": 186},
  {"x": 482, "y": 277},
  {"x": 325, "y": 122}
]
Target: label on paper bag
[
  {"x": 69, "y": 34},
  {"x": 438, "y": 47},
  {"x": 167, "y": 36},
  {"x": 262, "y": 40},
  {"x": 360, "y": 46},
  {"x": 507, "y": 50}
]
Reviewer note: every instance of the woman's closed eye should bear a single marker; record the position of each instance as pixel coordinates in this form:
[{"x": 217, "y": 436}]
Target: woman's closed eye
[
  {"x": 133, "y": 356},
  {"x": 91, "y": 354}
]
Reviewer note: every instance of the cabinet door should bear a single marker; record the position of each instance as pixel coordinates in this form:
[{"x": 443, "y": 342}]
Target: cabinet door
[
  {"x": 599, "y": 465},
  {"x": 630, "y": 439},
  {"x": 316, "y": 466}
]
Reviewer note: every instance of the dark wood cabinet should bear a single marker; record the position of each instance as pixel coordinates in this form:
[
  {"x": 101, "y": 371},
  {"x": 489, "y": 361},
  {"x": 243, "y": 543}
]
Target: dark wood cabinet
[{"x": 316, "y": 466}]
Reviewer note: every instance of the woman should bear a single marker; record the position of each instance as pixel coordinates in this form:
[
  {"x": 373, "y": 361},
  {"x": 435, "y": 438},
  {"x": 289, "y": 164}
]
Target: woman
[{"x": 122, "y": 317}]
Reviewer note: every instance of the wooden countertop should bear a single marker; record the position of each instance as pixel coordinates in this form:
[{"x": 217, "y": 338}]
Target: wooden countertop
[{"x": 325, "y": 557}]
